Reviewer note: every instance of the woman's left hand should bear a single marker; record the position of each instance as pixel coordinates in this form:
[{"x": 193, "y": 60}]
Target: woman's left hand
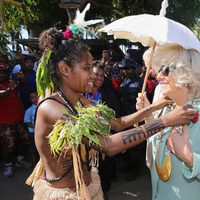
[
  {"x": 142, "y": 101},
  {"x": 178, "y": 144}
]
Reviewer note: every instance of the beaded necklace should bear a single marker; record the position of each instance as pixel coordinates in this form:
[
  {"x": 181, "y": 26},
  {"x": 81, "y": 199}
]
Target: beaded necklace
[
  {"x": 67, "y": 102},
  {"x": 82, "y": 148}
]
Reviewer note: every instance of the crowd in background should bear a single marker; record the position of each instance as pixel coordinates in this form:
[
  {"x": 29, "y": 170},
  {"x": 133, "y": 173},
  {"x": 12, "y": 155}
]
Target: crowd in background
[
  {"x": 118, "y": 80},
  {"x": 18, "y": 98},
  {"x": 117, "y": 83}
]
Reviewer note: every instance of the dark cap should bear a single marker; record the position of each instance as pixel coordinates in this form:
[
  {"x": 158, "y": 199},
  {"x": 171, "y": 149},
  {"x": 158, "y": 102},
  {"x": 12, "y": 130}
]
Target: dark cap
[
  {"x": 136, "y": 54},
  {"x": 128, "y": 64},
  {"x": 29, "y": 57}
]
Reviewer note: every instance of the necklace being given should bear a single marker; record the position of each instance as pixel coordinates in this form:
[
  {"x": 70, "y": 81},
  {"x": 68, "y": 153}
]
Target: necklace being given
[{"x": 164, "y": 169}]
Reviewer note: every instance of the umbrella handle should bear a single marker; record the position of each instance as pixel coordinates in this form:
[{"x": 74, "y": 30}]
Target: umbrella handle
[{"x": 149, "y": 64}]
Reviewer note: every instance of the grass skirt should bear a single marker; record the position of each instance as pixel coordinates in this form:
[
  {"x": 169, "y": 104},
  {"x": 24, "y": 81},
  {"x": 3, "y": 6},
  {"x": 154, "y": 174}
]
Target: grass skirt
[{"x": 44, "y": 192}]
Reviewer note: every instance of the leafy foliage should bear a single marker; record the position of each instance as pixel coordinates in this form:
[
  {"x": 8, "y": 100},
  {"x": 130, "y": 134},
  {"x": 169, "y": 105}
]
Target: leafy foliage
[
  {"x": 88, "y": 123},
  {"x": 185, "y": 12},
  {"x": 15, "y": 16},
  {"x": 3, "y": 42},
  {"x": 49, "y": 14},
  {"x": 42, "y": 14}
]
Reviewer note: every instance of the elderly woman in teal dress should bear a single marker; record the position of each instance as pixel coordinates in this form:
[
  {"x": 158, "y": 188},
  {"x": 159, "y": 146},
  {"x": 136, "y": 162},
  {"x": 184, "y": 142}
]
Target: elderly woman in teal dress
[{"x": 173, "y": 155}]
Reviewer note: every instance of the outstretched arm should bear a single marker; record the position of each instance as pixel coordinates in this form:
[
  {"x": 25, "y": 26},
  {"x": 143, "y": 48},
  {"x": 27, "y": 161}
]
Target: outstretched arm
[
  {"x": 119, "y": 124},
  {"x": 129, "y": 120},
  {"x": 124, "y": 140}
]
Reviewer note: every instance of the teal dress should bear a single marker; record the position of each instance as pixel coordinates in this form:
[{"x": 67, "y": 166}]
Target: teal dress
[{"x": 184, "y": 183}]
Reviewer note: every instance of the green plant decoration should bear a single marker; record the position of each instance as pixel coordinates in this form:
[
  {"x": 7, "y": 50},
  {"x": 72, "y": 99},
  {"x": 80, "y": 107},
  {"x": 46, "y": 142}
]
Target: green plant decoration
[{"x": 91, "y": 122}]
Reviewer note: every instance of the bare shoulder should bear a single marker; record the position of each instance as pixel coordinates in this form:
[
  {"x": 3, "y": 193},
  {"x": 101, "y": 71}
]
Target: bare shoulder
[
  {"x": 48, "y": 113},
  {"x": 50, "y": 110}
]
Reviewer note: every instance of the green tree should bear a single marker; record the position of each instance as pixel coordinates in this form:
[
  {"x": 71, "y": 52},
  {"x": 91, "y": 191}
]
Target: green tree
[
  {"x": 49, "y": 14},
  {"x": 184, "y": 11},
  {"x": 3, "y": 42},
  {"x": 15, "y": 16},
  {"x": 41, "y": 14}
]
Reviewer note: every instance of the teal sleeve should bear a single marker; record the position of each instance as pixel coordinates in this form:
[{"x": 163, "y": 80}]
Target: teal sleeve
[{"x": 193, "y": 172}]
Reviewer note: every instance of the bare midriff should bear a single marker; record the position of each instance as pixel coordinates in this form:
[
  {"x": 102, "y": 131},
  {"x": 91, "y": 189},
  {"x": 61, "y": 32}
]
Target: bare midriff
[{"x": 67, "y": 181}]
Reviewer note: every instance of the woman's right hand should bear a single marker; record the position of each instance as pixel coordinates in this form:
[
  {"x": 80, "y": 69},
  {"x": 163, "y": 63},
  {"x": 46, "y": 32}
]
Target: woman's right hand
[{"x": 179, "y": 116}]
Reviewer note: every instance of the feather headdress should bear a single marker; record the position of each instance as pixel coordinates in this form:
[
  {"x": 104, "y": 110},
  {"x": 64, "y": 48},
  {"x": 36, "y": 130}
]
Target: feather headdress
[
  {"x": 79, "y": 23},
  {"x": 80, "y": 18}
]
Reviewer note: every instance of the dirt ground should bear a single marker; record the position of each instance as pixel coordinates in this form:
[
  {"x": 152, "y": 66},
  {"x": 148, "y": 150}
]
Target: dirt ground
[{"x": 14, "y": 188}]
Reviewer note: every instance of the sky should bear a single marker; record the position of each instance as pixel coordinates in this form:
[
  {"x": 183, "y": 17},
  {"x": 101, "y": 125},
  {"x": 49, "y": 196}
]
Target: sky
[{"x": 24, "y": 33}]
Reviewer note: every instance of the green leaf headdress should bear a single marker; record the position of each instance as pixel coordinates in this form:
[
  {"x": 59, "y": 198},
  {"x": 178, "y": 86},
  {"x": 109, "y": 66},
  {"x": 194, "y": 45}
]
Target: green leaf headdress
[{"x": 43, "y": 79}]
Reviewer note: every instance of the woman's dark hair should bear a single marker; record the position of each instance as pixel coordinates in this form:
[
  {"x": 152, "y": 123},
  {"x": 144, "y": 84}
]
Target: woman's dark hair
[
  {"x": 70, "y": 51},
  {"x": 98, "y": 65}
]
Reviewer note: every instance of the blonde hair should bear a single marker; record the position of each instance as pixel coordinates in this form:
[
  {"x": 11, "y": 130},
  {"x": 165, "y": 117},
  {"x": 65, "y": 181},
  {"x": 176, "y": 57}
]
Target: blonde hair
[
  {"x": 187, "y": 63},
  {"x": 146, "y": 56}
]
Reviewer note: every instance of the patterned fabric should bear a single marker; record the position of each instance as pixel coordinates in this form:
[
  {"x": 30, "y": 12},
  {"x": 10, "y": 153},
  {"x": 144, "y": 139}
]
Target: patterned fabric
[{"x": 94, "y": 99}]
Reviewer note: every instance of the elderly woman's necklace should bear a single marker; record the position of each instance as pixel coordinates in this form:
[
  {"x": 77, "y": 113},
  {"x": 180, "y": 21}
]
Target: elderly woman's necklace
[{"x": 164, "y": 169}]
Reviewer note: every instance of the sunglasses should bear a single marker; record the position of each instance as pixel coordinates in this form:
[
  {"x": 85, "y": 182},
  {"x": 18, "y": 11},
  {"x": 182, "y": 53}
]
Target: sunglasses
[{"x": 165, "y": 70}]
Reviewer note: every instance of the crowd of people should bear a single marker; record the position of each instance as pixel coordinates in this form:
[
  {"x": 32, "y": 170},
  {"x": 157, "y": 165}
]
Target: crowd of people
[
  {"x": 18, "y": 98},
  {"x": 114, "y": 80}
]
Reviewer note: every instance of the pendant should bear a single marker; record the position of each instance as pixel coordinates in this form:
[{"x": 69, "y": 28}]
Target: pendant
[
  {"x": 83, "y": 153},
  {"x": 164, "y": 170}
]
